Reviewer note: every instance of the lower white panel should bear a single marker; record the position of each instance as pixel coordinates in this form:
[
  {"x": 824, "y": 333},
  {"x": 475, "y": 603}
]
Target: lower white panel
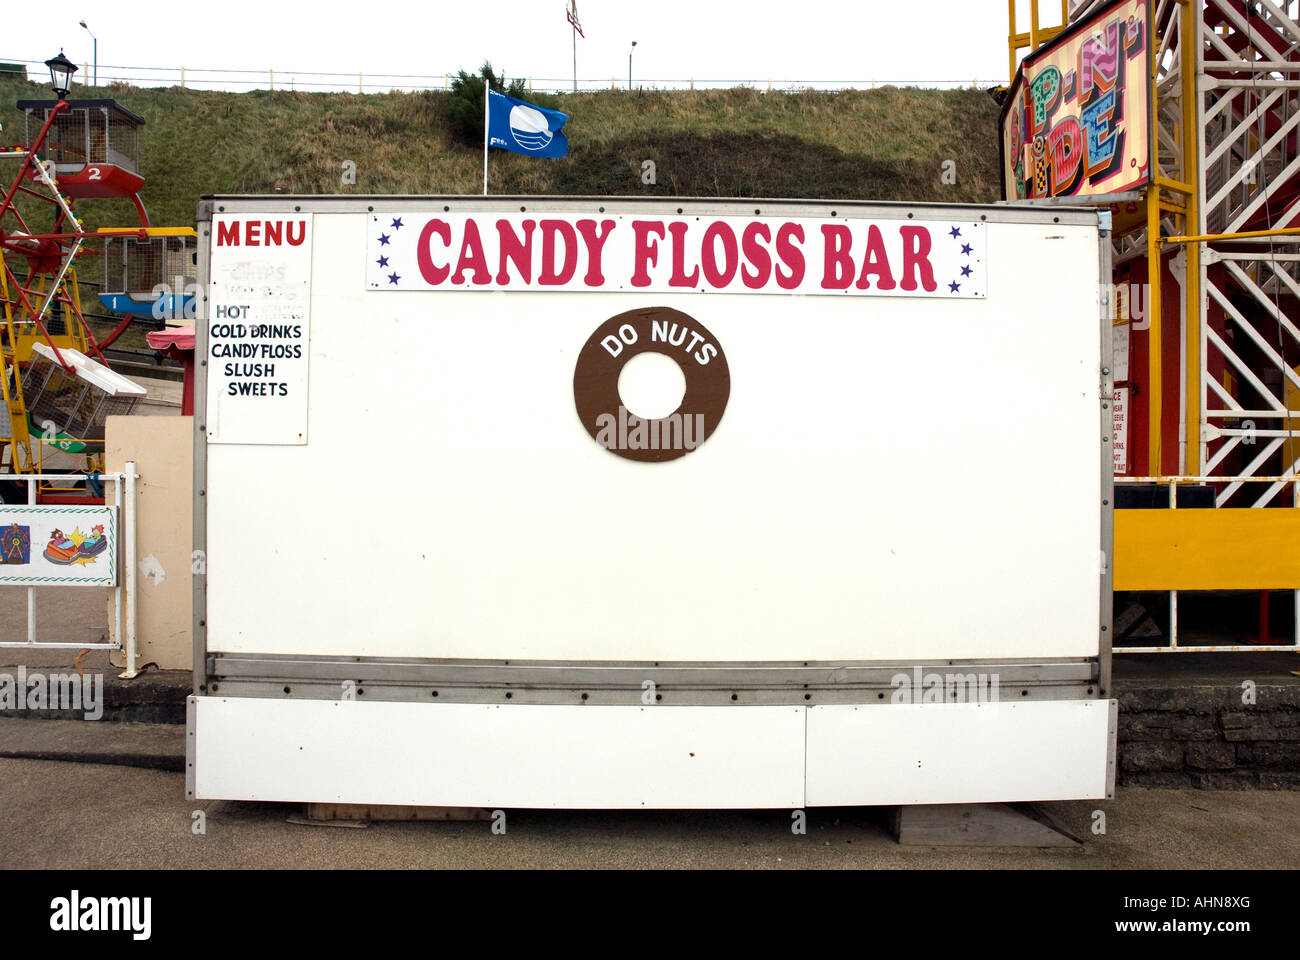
[
  {"x": 480, "y": 755},
  {"x": 605, "y": 757},
  {"x": 958, "y": 753}
]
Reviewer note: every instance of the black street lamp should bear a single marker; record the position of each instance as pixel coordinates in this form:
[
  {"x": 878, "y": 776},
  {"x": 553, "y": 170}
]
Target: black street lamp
[
  {"x": 61, "y": 71},
  {"x": 629, "y": 65}
]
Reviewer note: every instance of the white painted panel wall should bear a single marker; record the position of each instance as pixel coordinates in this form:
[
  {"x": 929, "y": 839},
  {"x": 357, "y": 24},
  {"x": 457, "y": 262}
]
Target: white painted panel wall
[
  {"x": 516, "y": 755},
  {"x": 611, "y": 757},
  {"x": 859, "y": 500},
  {"x": 958, "y": 752}
]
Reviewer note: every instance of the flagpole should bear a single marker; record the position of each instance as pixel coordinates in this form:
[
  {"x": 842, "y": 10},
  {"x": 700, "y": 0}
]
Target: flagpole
[{"x": 487, "y": 92}]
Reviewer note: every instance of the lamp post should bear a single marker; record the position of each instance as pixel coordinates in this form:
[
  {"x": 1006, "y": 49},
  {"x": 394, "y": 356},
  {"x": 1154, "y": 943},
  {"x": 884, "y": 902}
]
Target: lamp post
[
  {"x": 96, "y": 51},
  {"x": 629, "y": 65},
  {"x": 61, "y": 71}
]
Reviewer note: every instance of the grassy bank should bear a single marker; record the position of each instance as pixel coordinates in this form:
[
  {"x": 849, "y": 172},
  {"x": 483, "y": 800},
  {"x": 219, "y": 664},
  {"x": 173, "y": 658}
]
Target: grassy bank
[{"x": 886, "y": 144}]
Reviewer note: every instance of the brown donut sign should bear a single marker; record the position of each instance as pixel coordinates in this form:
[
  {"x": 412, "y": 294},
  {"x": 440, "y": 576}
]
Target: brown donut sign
[{"x": 658, "y": 330}]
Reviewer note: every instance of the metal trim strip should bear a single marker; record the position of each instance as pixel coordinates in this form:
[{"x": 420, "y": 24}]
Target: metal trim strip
[
  {"x": 652, "y": 206},
  {"x": 199, "y": 509}
]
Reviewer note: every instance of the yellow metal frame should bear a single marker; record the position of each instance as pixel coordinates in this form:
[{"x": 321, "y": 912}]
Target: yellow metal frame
[
  {"x": 1179, "y": 198},
  {"x": 1207, "y": 549},
  {"x": 1035, "y": 38},
  {"x": 20, "y": 334},
  {"x": 1241, "y": 235},
  {"x": 15, "y": 408},
  {"x": 21, "y": 340},
  {"x": 146, "y": 231}
]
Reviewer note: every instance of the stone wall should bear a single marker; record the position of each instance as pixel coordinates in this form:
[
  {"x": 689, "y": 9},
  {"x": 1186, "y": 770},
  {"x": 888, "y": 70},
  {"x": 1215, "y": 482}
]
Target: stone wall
[{"x": 1208, "y": 736}]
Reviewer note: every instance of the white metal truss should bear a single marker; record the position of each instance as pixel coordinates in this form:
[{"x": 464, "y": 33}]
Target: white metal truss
[
  {"x": 1248, "y": 83},
  {"x": 1227, "y": 167}
]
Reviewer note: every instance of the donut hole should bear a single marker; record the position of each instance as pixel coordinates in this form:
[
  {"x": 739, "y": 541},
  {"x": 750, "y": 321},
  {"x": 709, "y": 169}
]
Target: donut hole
[{"x": 651, "y": 385}]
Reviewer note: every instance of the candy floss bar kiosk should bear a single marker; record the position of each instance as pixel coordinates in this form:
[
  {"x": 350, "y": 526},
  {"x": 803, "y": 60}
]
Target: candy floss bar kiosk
[{"x": 661, "y": 503}]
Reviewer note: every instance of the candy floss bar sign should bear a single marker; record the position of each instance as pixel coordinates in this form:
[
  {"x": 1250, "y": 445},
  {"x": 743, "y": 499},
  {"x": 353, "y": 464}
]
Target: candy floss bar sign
[
  {"x": 1077, "y": 120},
  {"x": 606, "y": 253}
]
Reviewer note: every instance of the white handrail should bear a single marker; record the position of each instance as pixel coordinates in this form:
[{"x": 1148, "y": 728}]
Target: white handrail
[{"x": 124, "y": 499}]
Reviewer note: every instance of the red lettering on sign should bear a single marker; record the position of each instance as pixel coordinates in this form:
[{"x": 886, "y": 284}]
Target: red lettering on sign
[
  {"x": 722, "y": 254},
  {"x": 1065, "y": 144},
  {"x": 916, "y": 258},
  {"x": 876, "y": 262},
  {"x": 645, "y": 251},
  {"x": 595, "y": 243},
  {"x": 708, "y": 254},
  {"x": 679, "y": 277},
  {"x": 757, "y": 255},
  {"x": 472, "y": 257},
  {"x": 551, "y": 275},
  {"x": 837, "y": 273},
  {"x": 432, "y": 273},
  {"x": 513, "y": 248},
  {"x": 790, "y": 255},
  {"x": 261, "y": 233}
]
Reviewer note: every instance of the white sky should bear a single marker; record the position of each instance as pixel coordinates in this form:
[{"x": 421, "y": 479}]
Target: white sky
[{"x": 806, "y": 40}]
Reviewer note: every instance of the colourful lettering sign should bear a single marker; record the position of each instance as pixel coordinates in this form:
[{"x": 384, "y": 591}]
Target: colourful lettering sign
[{"x": 1077, "y": 119}]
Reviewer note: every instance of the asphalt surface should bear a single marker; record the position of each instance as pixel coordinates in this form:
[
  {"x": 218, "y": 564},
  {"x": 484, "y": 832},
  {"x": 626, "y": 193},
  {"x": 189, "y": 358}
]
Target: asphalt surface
[
  {"x": 63, "y": 615},
  {"x": 63, "y": 815},
  {"x": 159, "y": 746},
  {"x": 54, "y": 812}
]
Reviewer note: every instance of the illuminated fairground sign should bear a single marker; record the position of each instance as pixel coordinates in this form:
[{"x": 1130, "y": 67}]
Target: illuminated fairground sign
[{"x": 1077, "y": 119}]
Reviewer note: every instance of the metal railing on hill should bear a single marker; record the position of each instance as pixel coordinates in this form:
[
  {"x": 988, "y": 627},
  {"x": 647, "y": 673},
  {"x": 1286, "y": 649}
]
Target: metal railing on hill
[{"x": 215, "y": 78}]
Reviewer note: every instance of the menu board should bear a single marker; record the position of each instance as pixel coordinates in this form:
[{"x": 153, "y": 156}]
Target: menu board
[{"x": 258, "y": 326}]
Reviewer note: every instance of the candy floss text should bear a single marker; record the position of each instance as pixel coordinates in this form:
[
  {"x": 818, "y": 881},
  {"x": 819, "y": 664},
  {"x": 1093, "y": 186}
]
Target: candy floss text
[{"x": 827, "y": 256}]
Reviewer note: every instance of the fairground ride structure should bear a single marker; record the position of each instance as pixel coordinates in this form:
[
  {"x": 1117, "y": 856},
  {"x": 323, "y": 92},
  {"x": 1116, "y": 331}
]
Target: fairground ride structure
[
  {"x": 55, "y": 380},
  {"x": 1206, "y": 293}
]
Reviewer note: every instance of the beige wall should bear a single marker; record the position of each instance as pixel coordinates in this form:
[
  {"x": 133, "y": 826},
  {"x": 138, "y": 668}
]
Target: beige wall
[{"x": 163, "y": 451}]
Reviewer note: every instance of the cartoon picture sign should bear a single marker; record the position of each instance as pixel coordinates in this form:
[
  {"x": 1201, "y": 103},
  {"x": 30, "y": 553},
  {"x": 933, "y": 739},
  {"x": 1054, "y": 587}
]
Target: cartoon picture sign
[
  {"x": 1077, "y": 119},
  {"x": 42, "y": 546}
]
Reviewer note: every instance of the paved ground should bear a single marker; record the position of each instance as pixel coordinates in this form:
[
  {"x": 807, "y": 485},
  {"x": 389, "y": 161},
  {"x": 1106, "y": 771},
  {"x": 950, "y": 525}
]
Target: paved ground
[
  {"x": 89, "y": 816},
  {"x": 158, "y": 746},
  {"x": 53, "y": 813},
  {"x": 63, "y": 615},
  {"x": 1200, "y": 669}
]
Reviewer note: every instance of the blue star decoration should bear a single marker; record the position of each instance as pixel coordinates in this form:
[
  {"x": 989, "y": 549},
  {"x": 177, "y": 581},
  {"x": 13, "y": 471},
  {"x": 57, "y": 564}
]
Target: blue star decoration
[
  {"x": 383, "y": 239},
  {"x": 397, "y": 224},
  {"x": 382, "y": 261},
  {"x": 393, "y": 278},
  {"x": 967, "y": 249}
]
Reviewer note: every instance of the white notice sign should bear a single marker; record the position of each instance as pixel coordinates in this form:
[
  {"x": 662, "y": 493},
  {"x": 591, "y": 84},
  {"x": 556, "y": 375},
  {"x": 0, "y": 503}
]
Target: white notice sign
[
  {"x": 1119, "y": 348},
  {"x": 259, "y": 329},
  {"x": 1119, "y": 429}
]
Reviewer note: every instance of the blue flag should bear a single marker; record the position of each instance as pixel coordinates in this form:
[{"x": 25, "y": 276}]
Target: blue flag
[{"x": 524, "y": 128}]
